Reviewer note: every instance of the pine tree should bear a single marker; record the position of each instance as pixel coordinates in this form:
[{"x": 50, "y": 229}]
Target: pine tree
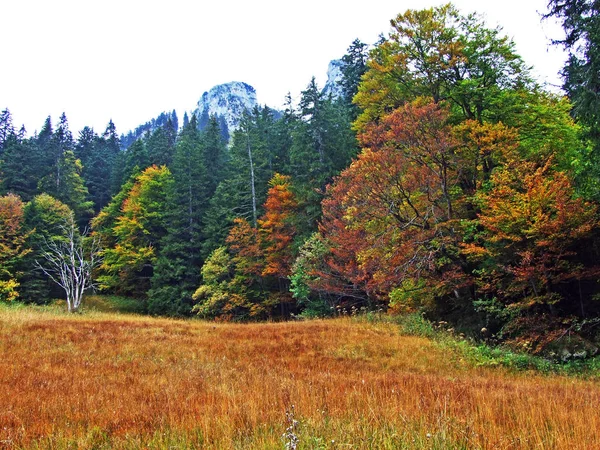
[
  {"x": 244, "y": 188},
  {"x": 215, "y": 154},
  {"x": 69, "y": 188},
  {"x": 20, "y": 167},
  {"x": 6, "y": 129},
  {"x": 322, "y": 145},
  {"x": 134, "y": 159},
  {"x": 354, "y": 65},
  {"x": 98, "y": 155},
  {"x": 160, "y": 145},
  {"x": 177, "y": 269}
]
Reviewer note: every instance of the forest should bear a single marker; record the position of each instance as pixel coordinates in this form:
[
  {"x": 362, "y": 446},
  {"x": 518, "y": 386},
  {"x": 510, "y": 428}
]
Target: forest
[{"x": 445, "y": 180}]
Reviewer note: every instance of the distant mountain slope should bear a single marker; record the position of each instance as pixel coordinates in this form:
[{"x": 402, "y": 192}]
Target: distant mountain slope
[
  {"x": 334, "y": 78},
  {"x": 149, "y": 127}
]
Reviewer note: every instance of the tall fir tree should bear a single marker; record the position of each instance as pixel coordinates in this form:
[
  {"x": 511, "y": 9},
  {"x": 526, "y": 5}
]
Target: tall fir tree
[
  {"x": 354, "y": 65},
  {"x": 20, "y": 167},
  {"x": 581, "y": 74},
  {"x": 247, "y": 172},
  {"x": 7, "y": 129},
  {"x": 177, "y": 269},
  {"x": 215, "y": 154},
  {"x": 322, "y": 145}
]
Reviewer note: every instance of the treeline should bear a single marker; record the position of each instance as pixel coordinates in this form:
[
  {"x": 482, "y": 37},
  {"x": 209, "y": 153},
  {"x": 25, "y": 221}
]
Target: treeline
[
  {"x": 445, "y": 180},
  {"x": 161, "y": 207}
]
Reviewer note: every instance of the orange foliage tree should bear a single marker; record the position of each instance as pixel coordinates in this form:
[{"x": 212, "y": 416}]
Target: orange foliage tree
[
  {"x": 395, "y": 219},
  {"x": 391, "y": 216},
  {"x": 276, "y": 227},
  {"x": 259, "y": 258},
  {"x": 534, "y": 231},
  {"x": 12, "y": 240}
]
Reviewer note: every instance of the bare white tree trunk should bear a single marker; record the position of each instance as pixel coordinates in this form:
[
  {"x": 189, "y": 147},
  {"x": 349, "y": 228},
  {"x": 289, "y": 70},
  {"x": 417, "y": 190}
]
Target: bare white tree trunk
[
  {"x": 69, "y": 264},
  {"x": 254, "y": 213}
]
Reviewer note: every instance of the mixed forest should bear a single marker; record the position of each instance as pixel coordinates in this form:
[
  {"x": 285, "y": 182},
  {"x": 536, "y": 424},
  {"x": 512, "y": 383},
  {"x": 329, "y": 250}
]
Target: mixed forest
[{"x": 445, "y": 180}]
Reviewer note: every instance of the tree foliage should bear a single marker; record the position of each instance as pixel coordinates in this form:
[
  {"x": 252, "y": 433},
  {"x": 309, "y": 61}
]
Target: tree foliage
[
  {"x": 137, "y": 232},
  {"x": 439, "y": 53},
  {"x": 12, "y": 245},
  {"x": 581, "y": 74}
]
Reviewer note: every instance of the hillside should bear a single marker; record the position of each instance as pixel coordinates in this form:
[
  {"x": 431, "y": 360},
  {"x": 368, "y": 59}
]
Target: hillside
[{"x": 85, "y": 381}]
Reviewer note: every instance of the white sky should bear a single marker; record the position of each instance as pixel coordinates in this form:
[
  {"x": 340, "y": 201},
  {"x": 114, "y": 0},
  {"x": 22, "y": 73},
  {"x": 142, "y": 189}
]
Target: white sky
[{"x": 129, "y": 60}]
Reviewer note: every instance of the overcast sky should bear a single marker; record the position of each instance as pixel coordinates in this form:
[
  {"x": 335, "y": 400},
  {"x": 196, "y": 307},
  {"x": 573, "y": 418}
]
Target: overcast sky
[{"x": 129, "y": 60}]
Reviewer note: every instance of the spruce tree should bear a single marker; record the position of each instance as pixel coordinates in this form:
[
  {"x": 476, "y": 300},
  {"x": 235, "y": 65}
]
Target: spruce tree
[
  {"x": 177, "y": 269},
  {"x": 244, "y": 188},
  {"x": 6, "y": 129},
  {"x": 20, "y": 167},
  {"x": 215, "y": 154},
  {"x": 322, "y": 145}
]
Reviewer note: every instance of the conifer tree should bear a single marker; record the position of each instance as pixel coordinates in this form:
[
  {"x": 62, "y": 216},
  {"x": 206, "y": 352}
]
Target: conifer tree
[
  {"x": 7, "y": 129},
  {"x": 322, "y": 145},
  {"x": 354, "y": 65},
  {"x": 20, "y": 167},
  {"x": 215, "y": 154},
  {"x": 177, "y": 269},
  {"x": 252, "y": 158},
  {"x": 69, "y": 188}
]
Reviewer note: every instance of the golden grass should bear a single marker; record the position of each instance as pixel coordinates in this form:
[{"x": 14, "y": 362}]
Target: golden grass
[{"x": 108, "y": 381}]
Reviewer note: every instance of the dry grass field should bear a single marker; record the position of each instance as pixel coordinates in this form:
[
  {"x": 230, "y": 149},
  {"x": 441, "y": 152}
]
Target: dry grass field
[{"x": 102, "y": 380}]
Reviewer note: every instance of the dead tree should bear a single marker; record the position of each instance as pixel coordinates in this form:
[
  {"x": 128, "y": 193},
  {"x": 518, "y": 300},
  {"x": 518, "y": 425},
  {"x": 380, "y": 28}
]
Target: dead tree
[{"x": 69, "y": 262}]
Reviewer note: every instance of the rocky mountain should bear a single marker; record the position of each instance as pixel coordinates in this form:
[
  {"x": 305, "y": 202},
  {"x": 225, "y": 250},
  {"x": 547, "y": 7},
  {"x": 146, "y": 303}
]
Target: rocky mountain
[
  {"x": 334, "y": 77},
  {"x": 228, "y": 102}
]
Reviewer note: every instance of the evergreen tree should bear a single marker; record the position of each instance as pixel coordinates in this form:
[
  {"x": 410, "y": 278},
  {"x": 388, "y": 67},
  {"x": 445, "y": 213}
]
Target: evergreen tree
[
  {"x": 44, "y": 142},
  {"x": 244, "y": 188},
  {"x": 177, "y": 269},
  {"x": 581, "y": 74},
  {"x": 160, "y": 145},
  {"x": 98, "y": 155},
  {"x": 322, "y": 145},
  {"x": 354, "y": 65},
  {"x": 20, "y": 167},
  {"x": 6, "y": 129},
  {"x": 134, "y": 159},
  {"x": 69, "y": 187},
  {"x": 215, "y": 154}
]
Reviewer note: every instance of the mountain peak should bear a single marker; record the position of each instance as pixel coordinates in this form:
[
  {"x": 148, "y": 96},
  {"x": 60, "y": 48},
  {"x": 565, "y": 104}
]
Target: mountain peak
[
  {"x": 333, "y": 86},
  {"x": 228, "y": 102}
]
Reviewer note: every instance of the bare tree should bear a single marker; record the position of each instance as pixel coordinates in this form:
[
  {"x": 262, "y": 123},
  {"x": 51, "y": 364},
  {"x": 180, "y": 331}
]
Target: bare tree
[{"x": 69, "y": 261}]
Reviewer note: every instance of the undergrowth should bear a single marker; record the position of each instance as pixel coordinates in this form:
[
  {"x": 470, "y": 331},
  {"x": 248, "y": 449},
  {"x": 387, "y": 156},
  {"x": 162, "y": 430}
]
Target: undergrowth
[{"x": 480, "y": 353}]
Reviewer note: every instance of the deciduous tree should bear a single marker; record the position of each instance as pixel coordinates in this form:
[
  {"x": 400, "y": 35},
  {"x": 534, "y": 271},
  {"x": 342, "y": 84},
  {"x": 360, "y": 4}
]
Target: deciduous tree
[
  {"x": 12, "y": 245},
  {"x": 69, "y": 262}
]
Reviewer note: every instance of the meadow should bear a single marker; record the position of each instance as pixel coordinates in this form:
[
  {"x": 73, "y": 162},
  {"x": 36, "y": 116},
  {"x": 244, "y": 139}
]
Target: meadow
[{"x": 110, "y": 380}]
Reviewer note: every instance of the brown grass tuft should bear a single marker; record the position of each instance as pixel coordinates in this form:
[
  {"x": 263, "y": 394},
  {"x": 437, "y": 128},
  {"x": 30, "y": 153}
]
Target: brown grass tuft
[{"x": 108, "y": 381}]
